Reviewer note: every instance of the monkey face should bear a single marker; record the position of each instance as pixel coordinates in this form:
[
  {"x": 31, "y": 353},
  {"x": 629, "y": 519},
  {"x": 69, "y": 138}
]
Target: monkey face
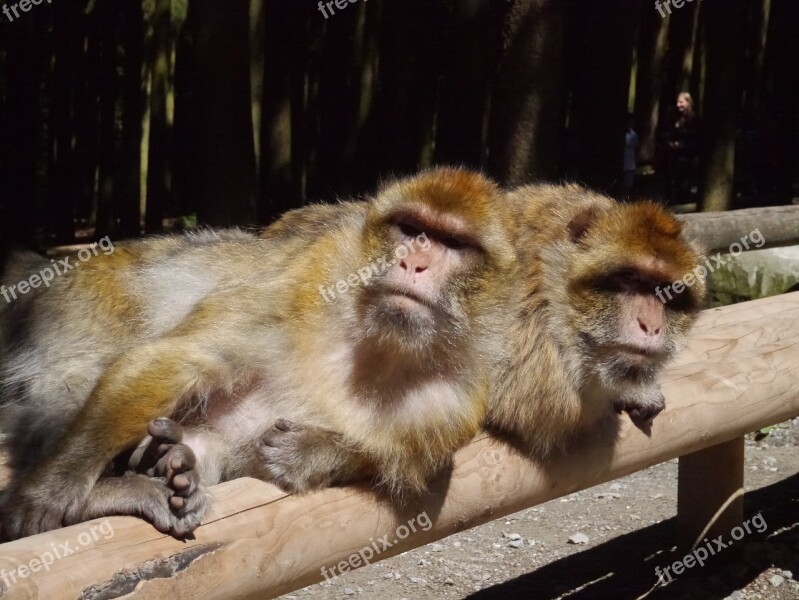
[
  {"x": 623, "y": 262},
  {"x": 442, "y": 245}
]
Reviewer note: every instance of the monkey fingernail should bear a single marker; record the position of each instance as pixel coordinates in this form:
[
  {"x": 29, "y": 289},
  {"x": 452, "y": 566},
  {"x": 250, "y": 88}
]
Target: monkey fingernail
[{"x": 177, "y": 502}]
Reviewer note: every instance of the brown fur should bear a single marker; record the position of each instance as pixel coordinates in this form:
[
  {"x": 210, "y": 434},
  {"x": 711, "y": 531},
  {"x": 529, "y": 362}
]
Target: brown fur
[{"x": 227, "y": 332}]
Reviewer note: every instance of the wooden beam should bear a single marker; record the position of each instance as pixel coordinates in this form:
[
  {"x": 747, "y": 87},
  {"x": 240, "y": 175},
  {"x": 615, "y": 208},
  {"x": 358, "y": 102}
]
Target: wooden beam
[
  {"x": 739, "y": 374},
  {"x": 710, "y": 493},
  {"x": 779, "y": 226}
]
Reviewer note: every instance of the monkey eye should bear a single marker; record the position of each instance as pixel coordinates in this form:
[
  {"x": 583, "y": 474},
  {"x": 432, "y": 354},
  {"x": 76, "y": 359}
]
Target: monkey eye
[
  {"x": 409, "y": 229},
  {"x": 627, "y": 278},
  {"x": 454, "y": 242}
]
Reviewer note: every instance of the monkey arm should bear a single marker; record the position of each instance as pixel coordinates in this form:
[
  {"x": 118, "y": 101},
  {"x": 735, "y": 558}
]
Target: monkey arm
[
  {"x": 152, "y": 380},
  {"x": 301, "y": 458}
]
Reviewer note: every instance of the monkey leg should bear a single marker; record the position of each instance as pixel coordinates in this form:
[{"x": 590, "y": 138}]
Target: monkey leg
[
  {"x": 151, "y": 380},
  {"x": 300, "y": 458},
  {"x": 152, "y": 499}
]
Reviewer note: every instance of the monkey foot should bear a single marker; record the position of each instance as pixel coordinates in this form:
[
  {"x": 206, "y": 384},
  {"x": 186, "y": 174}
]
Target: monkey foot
[
  {"x": 162, "y": 455},
  {"x": 294, "y": 456},
  {"x": 642, "y": 414}
]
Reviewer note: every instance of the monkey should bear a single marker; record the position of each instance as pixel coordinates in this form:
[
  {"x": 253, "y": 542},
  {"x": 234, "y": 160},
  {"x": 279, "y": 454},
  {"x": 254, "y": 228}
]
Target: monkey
[
  {"x": 589, "y": 332},
  {"x": 381, "y": 329}
]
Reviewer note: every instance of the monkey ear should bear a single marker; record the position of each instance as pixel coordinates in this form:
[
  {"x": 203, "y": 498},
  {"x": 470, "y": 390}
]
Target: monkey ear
[{"x": 581, "y": 223}]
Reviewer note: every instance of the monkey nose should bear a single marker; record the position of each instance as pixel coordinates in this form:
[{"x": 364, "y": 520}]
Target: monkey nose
[
  {"x": 650, "y": 329},
  {"x": 414, "y": 264}
]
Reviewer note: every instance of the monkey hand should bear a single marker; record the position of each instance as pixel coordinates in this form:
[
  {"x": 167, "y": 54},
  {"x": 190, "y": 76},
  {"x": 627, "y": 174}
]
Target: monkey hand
[
  {"x": 643, "y": 405},
  {"x": 299, "y": 458}
]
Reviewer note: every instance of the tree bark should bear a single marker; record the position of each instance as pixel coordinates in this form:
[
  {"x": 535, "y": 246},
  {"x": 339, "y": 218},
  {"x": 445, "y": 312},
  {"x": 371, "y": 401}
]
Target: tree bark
[
  {"x": 528, "y": 99},
  {"x": 601, "y": 45},
  {"x": 724, "y": 26},
  {"x": 222, "y": 153},
  {"x": 23, "y": 130},
  {"x": 133, "y": 98},
  {"x": 158, "y": 171},
  {"x": 652, "y": 44}
]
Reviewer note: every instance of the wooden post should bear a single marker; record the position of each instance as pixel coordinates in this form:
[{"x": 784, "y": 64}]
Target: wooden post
[{"x": 710, "y": 493}]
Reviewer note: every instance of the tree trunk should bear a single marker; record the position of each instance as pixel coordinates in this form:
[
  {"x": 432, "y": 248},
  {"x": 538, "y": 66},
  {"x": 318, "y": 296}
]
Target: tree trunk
[
  {"x": 279, "y": 189},
  {"x": 471, "y": 48},
  {"x": 106, "y": 219},
  {"x": 724, "y": 27},
  {"x": 649, "y": 81},
  {"x": 128, "y": 185},
  {"x": 23, "y": 129},
  {"x": 528, "y": 100},
  {"x": 158, "y": 172},
  {"x": 61, "y": 192},
  {"x": 601, "y": 44},
  {"x": 222, "y": 148}
]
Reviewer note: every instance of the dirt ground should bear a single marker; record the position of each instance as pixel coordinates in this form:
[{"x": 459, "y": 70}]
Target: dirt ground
[{"x": 630, "y": 528}]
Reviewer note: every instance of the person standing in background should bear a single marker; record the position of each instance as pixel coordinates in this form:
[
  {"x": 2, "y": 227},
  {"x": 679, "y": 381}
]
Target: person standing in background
[{"x": 683, "y": 144}]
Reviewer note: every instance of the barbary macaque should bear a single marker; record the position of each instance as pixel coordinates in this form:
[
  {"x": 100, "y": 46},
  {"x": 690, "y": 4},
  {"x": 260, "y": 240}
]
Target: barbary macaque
[
  {"x": 590, "y": 331},
  {"x": 588, "y": 336},
  {"x": 380, "y": 329}
]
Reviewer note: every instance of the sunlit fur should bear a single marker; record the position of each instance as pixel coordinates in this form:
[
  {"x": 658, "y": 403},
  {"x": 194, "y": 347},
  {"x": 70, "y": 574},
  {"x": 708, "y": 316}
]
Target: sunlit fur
[
  {"x": 563, "y": 374},
  {"x": 229, "y": 332}
]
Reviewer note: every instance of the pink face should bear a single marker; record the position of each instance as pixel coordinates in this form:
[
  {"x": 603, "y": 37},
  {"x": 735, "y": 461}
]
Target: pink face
[
  {"x": 641, "y": 318},
  {"x": 436, "y": 254},
  {"x": 683, "y": 105}
]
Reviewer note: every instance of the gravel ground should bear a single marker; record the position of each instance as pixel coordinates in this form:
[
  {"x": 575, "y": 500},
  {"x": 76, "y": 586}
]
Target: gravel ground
[{"x": 627, "y": 529}]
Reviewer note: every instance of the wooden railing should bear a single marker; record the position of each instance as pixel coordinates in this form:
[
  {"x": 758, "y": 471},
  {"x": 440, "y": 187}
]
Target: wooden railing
[{"x": 739, "y": 373}]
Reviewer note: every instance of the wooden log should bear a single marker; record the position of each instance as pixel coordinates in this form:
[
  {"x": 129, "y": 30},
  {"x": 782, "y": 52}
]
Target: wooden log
[
  {"x": 258, "y": 543},
  {"x": 779, "y": 226}
]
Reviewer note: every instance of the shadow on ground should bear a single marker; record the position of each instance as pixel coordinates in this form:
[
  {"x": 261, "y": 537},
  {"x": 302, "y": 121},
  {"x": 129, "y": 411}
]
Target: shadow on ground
[{"x": 625, "y": 566}]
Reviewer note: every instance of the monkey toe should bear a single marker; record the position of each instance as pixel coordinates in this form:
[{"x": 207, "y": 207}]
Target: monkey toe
[
  {"x": 178, "y": 468},
  {"x": 165, "y": 431},
  {"x": 287, "y": 426},
  {"x": 188, "y": 511},
  {"x": 162, "y": 434}
]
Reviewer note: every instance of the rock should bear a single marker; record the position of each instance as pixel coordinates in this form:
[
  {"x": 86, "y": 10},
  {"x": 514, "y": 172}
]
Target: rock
[
  {"x": 448, "y": 581},
  {"x": 511, "y": 536},
  {"x": 776, "y": 580},
  {"x": 736, "y": 595},
  {"x": 607, "y": 495},
  {"x": 615, "y": 486},
  {"x": 787, "y": 574},
  {"x": 516, "y": 543},
  {"x": 349, "y": 592},
  {"x": 755, "y": 274},
  {"x": 436, "y": 548},
  {"x": 578, "y": 538}
]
